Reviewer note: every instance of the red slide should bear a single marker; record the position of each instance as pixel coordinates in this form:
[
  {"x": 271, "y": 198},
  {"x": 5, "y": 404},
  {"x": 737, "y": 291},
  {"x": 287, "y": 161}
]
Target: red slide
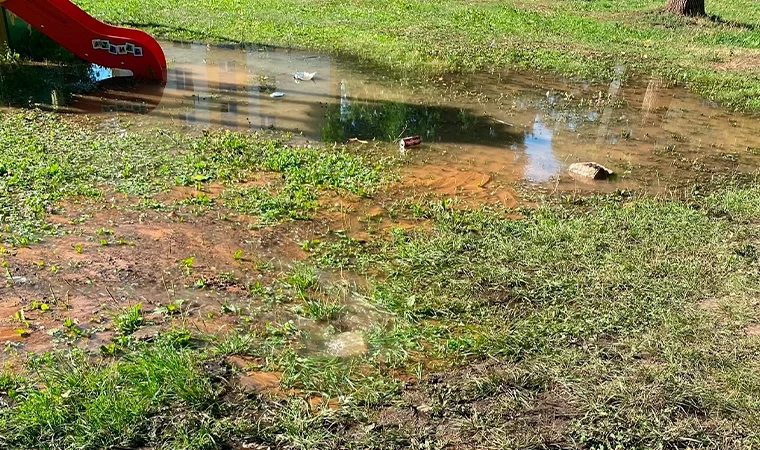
[{"x": 93, "y": 40}]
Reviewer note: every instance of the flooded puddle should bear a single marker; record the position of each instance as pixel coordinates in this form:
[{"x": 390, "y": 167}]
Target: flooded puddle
[
  {"x": 480, "y": 136},
  {"x": 487, "y": 131}
]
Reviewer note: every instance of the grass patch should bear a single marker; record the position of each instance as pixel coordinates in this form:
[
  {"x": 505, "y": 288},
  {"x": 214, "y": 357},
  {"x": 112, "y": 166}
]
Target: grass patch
[
  {"x": 271, "y": 205},
  {"x": 321, "y": 309},
  {"x": 85, "y": 405},
  {"x": 169, "y": 395},
  {"x": 129, "y": 320},
  {"x": 44, "y": 159},
  {"x": 599, "y": 297}
]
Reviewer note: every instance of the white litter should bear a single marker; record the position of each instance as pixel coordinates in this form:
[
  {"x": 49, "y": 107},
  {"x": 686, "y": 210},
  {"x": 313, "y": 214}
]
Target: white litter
[
  {"x": 304, "y": 76},
  {"x": 277, "y": 94}
]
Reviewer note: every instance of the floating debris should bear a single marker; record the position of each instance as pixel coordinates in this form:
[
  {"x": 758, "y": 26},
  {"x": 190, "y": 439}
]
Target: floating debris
[
  {"x": 407, "y": 142},
  {"x": 304, "y": 76},
  {"x": 590, "y": 170},
  {"x": 277, "y": 94}
]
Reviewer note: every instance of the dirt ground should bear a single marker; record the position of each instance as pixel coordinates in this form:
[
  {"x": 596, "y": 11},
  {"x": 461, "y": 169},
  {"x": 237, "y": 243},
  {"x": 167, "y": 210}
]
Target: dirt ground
[{"x": 112, "y": 255}]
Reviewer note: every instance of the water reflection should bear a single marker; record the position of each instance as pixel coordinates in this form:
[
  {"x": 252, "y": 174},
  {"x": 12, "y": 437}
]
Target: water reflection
[
  {"x": 513, "y": 127},
  {"x": 541, "y": 165},
  {"x": 213, "y": 86},
  {"x": 388, "y": 121}
]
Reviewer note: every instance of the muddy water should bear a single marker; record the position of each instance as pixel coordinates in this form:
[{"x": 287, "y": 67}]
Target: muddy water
[{"x": 486, "y": 131}]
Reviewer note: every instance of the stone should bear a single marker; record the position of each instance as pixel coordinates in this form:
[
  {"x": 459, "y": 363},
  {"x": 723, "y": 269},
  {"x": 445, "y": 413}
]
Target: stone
[
  {"x": 146, "y": 334},
  {"x": 590, "y": 171},
  {"x": 259, "y": 382},
  {"x": 240, "y": 362},
  {"x": 347, "y": 344}
]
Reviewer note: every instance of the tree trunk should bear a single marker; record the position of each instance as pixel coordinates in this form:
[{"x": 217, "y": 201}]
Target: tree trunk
[{"x": 687, "y": 7}]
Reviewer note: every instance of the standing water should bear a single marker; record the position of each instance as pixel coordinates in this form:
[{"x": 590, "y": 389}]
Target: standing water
[{"x": 498, "y": 129}]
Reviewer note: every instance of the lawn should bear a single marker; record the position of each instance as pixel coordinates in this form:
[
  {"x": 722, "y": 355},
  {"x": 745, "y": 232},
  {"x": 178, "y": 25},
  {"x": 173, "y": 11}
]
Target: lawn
[
  {"x": 588, "y": 39},
  {"x": 178, "y": 288}
]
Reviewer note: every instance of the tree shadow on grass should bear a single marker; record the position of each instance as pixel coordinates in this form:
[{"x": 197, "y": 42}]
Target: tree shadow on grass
[
  {"x": 732, "y": 23},
  {"x": 662, "y": 18}
]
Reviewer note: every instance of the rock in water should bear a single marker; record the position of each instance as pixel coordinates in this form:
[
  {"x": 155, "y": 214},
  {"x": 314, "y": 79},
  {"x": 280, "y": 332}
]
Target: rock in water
[
  {"x": 590, "y": 171},
  {"x": 346, "y": 345}
]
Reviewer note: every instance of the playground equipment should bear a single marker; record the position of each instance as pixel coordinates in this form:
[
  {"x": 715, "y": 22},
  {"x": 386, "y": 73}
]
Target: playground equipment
[{"x": 88, "y": 38}]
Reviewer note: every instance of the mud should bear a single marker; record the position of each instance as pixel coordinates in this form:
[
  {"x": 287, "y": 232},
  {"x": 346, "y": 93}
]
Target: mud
[
  {"x": 486, "y": 405},
  {"x": 186, "y": 268}
]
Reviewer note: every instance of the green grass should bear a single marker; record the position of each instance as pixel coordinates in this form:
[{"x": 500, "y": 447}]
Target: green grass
[
  {"x": 590, "y": 308},
  {"x": 128, "y": 321},
  {"x": 169, "y": 395},
  {"x": 575, "y": 37},
  {"x": 321, "y": 309},
  {"x": 597, "y": 323},
  {"x": 317, "y": 302},
  {"x": 272, "y": 205},
  {"x": 82, "y": 405},
  {"x": 302, "y": 277},
  {"x": 44, "y": 159}
]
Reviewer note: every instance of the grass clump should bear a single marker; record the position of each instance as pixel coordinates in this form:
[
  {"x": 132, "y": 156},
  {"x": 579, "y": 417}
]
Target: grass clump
[
  {"x": 80, "y": 404},
  {"x": 303, "y": 277},
  {"x": 44, "y": 159},
  {"x": 270, "y": 205},
  {"x": 322, "y": 310},
  {"x": 129, "y": 320},
  {"x": 317, "y": 303}
]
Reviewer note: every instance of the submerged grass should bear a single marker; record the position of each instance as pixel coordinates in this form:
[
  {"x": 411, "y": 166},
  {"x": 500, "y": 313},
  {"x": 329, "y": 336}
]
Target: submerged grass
[
  {"x": 578, "y": 37},
  {"x": 44, "y": 159}
]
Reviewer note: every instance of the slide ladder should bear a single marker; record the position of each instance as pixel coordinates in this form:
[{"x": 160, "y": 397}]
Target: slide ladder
[{"x": 92, "y": 40}]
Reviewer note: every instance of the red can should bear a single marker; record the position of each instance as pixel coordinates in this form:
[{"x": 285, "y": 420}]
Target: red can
[{"x": 410, "y": 141}]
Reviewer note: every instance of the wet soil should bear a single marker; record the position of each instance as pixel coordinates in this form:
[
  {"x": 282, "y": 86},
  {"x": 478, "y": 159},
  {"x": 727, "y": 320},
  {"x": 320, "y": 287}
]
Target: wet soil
[
  {"x": 482, "y": 137},
  {"x": 468, "y": 408},
  {"x": 186, "y": 266}
]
